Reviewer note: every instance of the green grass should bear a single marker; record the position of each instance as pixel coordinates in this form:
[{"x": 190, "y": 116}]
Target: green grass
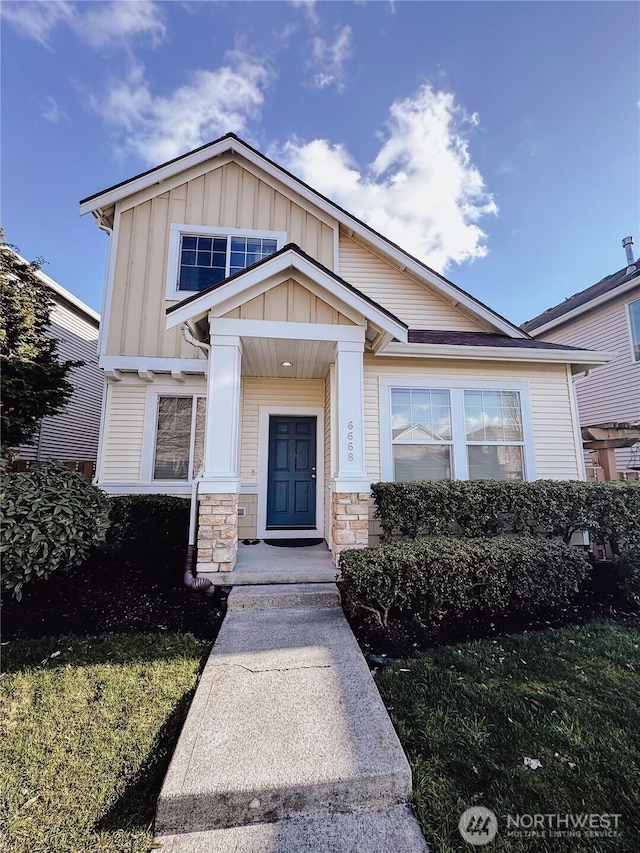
[
  {"x": 469, "y": 714},
  {"x": 88, "y": 726}
]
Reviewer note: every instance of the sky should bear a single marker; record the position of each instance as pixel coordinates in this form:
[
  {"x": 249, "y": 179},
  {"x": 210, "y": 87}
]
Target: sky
[{"x": 498, "y": 142}]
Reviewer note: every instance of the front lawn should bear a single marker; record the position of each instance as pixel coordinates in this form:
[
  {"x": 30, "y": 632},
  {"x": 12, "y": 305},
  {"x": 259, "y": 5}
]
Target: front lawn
[
  {"x": 469, "y": 715},
  {"x": 88, "y": 727}
]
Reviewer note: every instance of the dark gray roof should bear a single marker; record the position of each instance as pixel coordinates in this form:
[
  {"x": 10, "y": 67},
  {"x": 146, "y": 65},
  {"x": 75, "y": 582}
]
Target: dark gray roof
[
  {"x": 605, "y": 285},
  {"x": 479, "y": 339}
]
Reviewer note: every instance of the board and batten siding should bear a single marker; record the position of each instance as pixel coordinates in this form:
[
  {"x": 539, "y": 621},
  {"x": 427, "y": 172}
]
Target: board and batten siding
[
  {"x": 227, "y": 196},
  {"x": 258, "y": 392},
  {"x": 123, "y": 433},
  {"x": 414, "y": 304},
  {"x": 73, "y": 432},
  {"x": 554, "y": 434},
  {"x": 292, "y": 302},
  {"x": 610, "y": 392}
]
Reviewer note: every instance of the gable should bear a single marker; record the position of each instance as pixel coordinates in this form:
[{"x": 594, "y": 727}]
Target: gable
[
  {"x": 419, "y": 306},
  {"x": 291, "y": 302}
]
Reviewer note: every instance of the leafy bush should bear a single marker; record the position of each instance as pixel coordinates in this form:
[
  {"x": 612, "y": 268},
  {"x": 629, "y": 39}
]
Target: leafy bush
[
  {"x": 445, "y": 579},
  {"x": 51, "y": 518},
  {"x": 549, "y": 508},
  {"x": 627, "y": 576},
  {"x": 151, "y": 528}
]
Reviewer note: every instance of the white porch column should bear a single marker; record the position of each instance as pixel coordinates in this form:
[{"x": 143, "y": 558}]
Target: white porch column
[
  {"x": 222, "y": 434},
  {"x": 350, "y": 474}
]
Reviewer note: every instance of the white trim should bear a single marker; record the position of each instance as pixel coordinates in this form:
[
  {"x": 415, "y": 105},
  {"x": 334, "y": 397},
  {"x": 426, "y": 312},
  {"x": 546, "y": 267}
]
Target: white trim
[
  {"x": 224, "y": 401},
  {"x": 634, "y": 360},
  {"x": 167, "y": 487},
  {"x": 106, "y": 400},
  {"x": 110, "y": 275},
  {"x": 134, "y": 364},
  {"x": 459, "y": 461},
  {"x": 559, "y": 356},
  {"x": 609, "y": 296},
  {"x": 264, "y": 414},
  {"x": 179, "y": 230},
  {"x": 575, "y": 419},
  {"x": 236, "y": 146},
  {"x": 199, "y": 308},
  {"x": 287, "y": 330}
]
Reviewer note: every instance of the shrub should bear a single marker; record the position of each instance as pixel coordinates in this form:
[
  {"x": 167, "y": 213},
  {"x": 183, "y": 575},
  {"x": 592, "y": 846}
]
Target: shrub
[
  {"x": 153, "y": 528},
  {"x": 549, "y": 508},
  {"x": 444, "y": 579},
  {"x": 51, "y": 518},
  {"x": 627, "y": 576}
]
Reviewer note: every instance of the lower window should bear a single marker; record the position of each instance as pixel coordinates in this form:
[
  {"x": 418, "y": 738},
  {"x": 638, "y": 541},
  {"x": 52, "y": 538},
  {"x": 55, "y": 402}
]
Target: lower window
[
  {"x": 179, "y": 449},
  {"x": 462, "y": 433}
]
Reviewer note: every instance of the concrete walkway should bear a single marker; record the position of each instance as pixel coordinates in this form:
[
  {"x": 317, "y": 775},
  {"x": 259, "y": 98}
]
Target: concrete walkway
[
  {"x": 287, "y": 747},
  {"x": 270, "y": 564}
]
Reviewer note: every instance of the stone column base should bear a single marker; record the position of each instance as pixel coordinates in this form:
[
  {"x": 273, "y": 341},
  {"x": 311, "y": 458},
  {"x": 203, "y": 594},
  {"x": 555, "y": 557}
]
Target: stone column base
[
  {"x": 217, "y": 533},
  {"x": 349, "y": 521}
]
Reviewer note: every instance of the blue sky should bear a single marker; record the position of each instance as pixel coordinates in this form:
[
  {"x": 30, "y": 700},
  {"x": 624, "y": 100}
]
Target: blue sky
[{"x": 499, "y": 142}]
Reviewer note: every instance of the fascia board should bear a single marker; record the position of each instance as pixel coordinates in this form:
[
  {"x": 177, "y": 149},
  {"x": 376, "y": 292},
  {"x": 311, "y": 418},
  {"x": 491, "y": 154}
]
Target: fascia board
[
  {"x": 591, "y": 358},
  {"x": 286, "y": 261},
  {"x": 621, "y": 290}
]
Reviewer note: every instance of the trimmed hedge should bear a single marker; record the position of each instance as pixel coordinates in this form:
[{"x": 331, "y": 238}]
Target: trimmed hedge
[
  {"x": 51, "y": 519},
  {"x": 151, "y": 528},
  {"x": 444, "y": 579},
  {"x": 548, "y": 508}
]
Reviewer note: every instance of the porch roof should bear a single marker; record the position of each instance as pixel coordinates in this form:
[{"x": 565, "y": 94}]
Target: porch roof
[{"x": 289, "y": 258}]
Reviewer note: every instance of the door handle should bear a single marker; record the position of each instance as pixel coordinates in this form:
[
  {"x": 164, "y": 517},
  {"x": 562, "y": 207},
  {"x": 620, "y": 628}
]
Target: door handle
[{"x": 313, "y": 476}]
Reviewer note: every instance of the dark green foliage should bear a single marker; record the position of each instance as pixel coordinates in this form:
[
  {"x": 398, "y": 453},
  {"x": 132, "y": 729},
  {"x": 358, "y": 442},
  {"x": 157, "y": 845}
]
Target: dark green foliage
[
  {"x": 438, "y": 580},
  {"x": 548, "y": 508},
  {"x": 148, "y": 528},
  {"x": 35, "y": 382},
  {"x": 51, "y": 518}
]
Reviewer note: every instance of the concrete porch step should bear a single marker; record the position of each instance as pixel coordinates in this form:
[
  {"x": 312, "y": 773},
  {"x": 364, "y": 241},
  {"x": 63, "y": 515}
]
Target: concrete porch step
[
  {"x": 272, "y": 576},
  {"x": 283, "y": 595},
  {"x": 393, "y": 830},
  {"x": 286, "y": 721}
]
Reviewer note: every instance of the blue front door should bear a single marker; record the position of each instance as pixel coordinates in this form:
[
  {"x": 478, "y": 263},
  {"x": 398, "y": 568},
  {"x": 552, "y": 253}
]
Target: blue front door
[{"x": 291, "y": 487}]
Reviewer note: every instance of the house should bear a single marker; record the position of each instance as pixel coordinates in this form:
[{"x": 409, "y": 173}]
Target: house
[
  {"x": 269, "y": 350},
  {"x": 605, "y": 316},
  {"x": 71, "y": 435}
]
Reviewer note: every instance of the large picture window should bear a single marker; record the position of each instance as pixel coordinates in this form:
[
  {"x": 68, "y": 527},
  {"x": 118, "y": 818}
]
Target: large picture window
[
  {"x": 455, "y": 432},
  {"x": 634, "y": 322},
  {"x": 179, "y": 447}
]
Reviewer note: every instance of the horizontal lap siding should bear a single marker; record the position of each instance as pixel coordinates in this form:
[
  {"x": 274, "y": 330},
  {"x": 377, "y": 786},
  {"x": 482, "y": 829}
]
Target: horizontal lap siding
[
  {"x": 610, "y": 392},
  {"x": 228, "y": 196},
  {"x": 553, "y": 428},
  {"x": 124, "y": 427},
  {"x": 270, "y": 392},
  {"x": 396, "y": 291}
]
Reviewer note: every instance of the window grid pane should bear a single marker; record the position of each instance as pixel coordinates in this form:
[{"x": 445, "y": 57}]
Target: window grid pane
[
  {"x": 634, "y": 319},
  {"x": 420, "y": 414},
  {"x": 493, "y": 416},
  {"x": 495, "y": 462},
  {"x": 205, "y": 261}
]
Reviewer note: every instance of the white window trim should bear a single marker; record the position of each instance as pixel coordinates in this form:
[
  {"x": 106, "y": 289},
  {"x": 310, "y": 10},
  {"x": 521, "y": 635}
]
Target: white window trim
[
  {"x": 459, "y": 460},
  {"x": 634, "y": 360},
  {"x": 264, "y": 416},
  {"x": 150, "y": 435},
  {"x": 179, "y": 230}
]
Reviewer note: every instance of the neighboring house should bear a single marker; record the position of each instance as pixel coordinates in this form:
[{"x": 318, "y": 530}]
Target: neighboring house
[
  {"x": 257, "y": 333},
  {"x": 605, "y": 316},
  {"x": 71, "y": 435}
]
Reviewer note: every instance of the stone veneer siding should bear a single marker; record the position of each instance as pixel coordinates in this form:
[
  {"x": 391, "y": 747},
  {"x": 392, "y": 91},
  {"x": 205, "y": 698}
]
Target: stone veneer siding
[
  {"x": 349, "y": 521},
  {"x": 217, "y": 533}
]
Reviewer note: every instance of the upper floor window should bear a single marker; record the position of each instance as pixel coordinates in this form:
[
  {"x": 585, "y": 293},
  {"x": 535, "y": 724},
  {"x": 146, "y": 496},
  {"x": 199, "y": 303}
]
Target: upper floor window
[
  {"x": 634, "y": 322},
  {"x": 203, "y": 256}
]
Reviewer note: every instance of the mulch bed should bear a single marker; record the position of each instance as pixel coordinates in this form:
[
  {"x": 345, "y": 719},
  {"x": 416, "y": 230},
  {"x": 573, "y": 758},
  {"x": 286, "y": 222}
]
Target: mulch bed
[{"x": 107, "y": 597}]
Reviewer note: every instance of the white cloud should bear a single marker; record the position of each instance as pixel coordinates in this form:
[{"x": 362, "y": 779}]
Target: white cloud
[
  {"x": 329, "y": 59},
  {"x": 158, "y": 128},
  {"x": 96, "y": 23},
  {"x": 309, "y": 7},
  {"x": 422, "y": 190},
  {"x": 52, "y": 111},
  {"x": 38, "y": 18}
]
